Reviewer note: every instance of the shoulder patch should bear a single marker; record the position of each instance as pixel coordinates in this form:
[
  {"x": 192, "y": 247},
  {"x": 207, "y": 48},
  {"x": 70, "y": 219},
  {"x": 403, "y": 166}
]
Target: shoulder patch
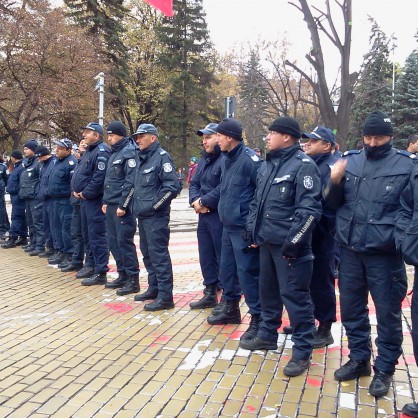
[
  {"x": 255, "y": 157},
  {"x": 71, "y": 162},
  {"x": 131, "y": 163},
  {"x": 101, "y": 165},
  {"x": 352, "y": 151},
  {"x": 405, "y": 153},
  {"x": 167, "y": 167},
  {"x": 308, "y": 182}
]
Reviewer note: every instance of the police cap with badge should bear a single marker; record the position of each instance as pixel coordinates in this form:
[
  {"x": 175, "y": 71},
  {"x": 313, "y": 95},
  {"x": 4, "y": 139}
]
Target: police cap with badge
[
  {"x": 321, "y": 133},
  {"x": 146, "y": 128},
  {"x": 64, "y": 143},
  {"x": 93, "y": 126}
]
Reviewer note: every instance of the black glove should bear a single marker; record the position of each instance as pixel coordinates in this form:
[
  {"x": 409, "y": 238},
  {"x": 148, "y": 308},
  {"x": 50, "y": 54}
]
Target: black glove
[
  {"x": 247, "y": 236},
  {"x": 290, "y": 251}
]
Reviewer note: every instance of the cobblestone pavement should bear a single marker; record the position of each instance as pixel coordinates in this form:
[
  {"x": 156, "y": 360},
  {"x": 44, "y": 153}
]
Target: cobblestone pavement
[{"x": 73, "y": 351}]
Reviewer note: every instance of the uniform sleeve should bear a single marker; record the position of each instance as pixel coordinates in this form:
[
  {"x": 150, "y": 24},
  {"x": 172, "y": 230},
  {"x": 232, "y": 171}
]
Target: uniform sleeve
[
  {"x": 308, "y": 207},
  {"x": 404, "y": 216},
  {"x": 194, "y": 186},
  {"x": 95, "y": 186},
  {"x": 131, "y": 165},
  {"x": 169, "y": 184},
  {"x": 211, "y": 199}
]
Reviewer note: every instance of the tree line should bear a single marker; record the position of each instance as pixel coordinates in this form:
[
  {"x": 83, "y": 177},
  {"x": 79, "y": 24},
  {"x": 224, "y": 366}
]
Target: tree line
[{"x": 166, "y": 71}]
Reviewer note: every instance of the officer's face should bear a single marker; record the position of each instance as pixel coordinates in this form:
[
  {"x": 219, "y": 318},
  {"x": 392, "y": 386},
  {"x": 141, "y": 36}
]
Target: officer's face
[
  {"x": 62, "y": 152},
  {"x": 413, "y": 147},
  {"x": 209, "y": 142},
  {"x": 27, "y": 152},
  {"x": 376, "y": 140},
  {"x": 90, "y": 137},
  {"x": 316, "y": 146},
  {"x": 114, "y": 139},
  {"x": 145, "y": 140},
  {"x": 225, "y": 143},
  {"x": 276, "y": 140}
]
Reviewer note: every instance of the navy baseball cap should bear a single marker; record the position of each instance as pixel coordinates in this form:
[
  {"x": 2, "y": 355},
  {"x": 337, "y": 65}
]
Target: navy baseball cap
[
  {"x": 146, "y": 128},
  {"x": 320, "y": 132},
  {"x": 209, "y": 129},
  {"x": 93, "y": 126},
  {"x": 65, "y": 143}
]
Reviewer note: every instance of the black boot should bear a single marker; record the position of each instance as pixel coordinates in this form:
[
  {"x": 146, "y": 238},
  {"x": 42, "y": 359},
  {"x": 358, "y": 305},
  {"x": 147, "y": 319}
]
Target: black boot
[
  {"x": 131, "y": 286},
  {"x": 230, "y": 315},
  {"x": 209, "y": 300},
  {"x": 119, "y": 282},
  {"x": 323, "y": 336},
  {"x": 10, "y": 243},
  {"x": 49, "y": 252},
  {"x": 219, "y": 307},
  {"x": 58, "y": 258},
  {"x": 252, "y": 329},
  {"x": 96, "y": 278},
  {"x": 21, "y": 241},
  {"x": 149, "y": 294}
]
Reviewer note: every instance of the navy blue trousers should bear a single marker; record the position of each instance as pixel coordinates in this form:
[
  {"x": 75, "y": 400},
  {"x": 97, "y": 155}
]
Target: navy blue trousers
[
  {"x": 35, "y": 220},
  {"x": 154, "y": 236},
  {"x": 62, "y": 214},
  {"x": 120, "y": 234},
  {"x": 286, "y": 282},
  {"x": 19, "y": 226},
  {"x": 384, "y": 276},
  {"x": 94, "y": 232},
  {"x": 77, "y": 240},
  {"x": 209, "y": 237},
  {"x": 239, "y": 270}
]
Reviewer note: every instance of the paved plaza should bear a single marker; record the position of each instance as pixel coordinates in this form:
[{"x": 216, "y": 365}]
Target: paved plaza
[{"x": 72, "y": 351}]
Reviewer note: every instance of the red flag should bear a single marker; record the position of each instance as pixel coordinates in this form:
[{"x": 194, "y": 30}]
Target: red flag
[{"x": 166, "y": 6}]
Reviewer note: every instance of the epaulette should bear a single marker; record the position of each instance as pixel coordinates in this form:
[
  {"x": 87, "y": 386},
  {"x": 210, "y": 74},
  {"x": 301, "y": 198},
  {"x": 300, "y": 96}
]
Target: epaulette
[
  {"x": 102, "y": 148},
  {"x": 162, "y": 152},
  {"x": 252, "y": 155},
  {"x": 352, "y": 151},
  {"x": 406, "y": 153},
  {"x": 304, "y": 158}
]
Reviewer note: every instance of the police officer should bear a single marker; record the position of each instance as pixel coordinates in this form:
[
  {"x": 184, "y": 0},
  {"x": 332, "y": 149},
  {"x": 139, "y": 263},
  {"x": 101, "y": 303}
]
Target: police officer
[
  {"x": 18, "y": 228},
  {"x": 29, "y": 187},
  {"x": 413, "y": 144},
  {"x": 204, "y": 197},
  {"x": 239, "y": 267},
  {"x": 284, "y": 211},
  {"x": 156, "y": 185},
  {"x": 59, "y": 191},
  {"x": 319, "y": 145},
  {"x": 87, "y": 185},
  {"x": 4, "y": 219},
  {"x": 76, "y": 230},
  {"x": 406, "y": 230},
  {"x": 365, "y": 189},
  {"x": 117, "y": 205},
  {"x": 46, "y": 165}
]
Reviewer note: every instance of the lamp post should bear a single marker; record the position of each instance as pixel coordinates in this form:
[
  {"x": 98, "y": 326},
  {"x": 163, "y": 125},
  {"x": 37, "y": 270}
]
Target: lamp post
[{"x": 100, "y": 86}]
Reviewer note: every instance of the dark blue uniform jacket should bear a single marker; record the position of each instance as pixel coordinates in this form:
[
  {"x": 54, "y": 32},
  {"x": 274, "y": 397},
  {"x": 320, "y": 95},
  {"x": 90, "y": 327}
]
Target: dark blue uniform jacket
[
  {"x": 287, "y": 203},
  {"x": 368, "y": 199},
  {"x": 238, "y": 182},
  {"x": 46, "y": 169},
  {"x": 60, "y": 179},
  {"x": 205, "y": 183},
  {"x": 120, "y": 175},
  {"x": 14, "y": 178},
  {"x": 29, "y": 179},
  {"x": 156, "y": 183},
  {"x": 91, "y": 170}
]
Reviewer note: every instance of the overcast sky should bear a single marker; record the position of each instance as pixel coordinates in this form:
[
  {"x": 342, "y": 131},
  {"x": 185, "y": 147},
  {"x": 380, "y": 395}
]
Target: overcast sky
[{"x": 234, "y": 21}]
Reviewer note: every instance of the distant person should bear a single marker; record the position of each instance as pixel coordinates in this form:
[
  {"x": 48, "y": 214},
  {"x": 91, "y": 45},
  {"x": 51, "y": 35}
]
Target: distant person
[
  {"x": 413, "y": 144},
  {"x": 4, "y": 218},
  {"x": 180, "y": 178},
  {"x": 18, "y": 228},
  {"x": 239, "y": 268},
  {"x": 204, "y": 198},
  {"x": 360, "y": 144},
  {"x": 88, "y": 184},
  {"x": 156, "y": 185},
  {"x": 365, "y": 189},
  {"x": 257, "y": 151},
  {"x": 286, "y": 207},
  {"x": 118, "y": 206},
  {"x": 192, "y": 169}
]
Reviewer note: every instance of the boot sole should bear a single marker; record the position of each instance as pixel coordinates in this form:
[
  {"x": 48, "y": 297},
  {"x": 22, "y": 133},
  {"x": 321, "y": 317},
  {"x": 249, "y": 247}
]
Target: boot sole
[
  {"x": 323, "y": 343},
  {"x": 224, "y": 322},
  {"x": 346, "y": 379}
]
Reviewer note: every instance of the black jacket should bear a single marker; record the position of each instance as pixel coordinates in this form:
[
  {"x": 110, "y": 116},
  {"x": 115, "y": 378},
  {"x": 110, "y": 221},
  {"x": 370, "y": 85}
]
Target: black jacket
[
  {"x": 29, "y": 179},
  {"x": 156, "y": 183},
  {"x": 13, "y": 184},
  {"x": 120, "y": 174},
  {"x": 287, "y": 202}
]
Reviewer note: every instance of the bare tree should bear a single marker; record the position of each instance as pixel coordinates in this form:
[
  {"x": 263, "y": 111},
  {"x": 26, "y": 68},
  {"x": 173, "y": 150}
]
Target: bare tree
[{"x": 342, "y": 92}]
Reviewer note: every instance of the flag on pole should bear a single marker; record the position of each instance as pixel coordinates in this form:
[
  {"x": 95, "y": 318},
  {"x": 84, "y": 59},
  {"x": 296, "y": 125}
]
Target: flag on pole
[{"x": 166, "y": 6}]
